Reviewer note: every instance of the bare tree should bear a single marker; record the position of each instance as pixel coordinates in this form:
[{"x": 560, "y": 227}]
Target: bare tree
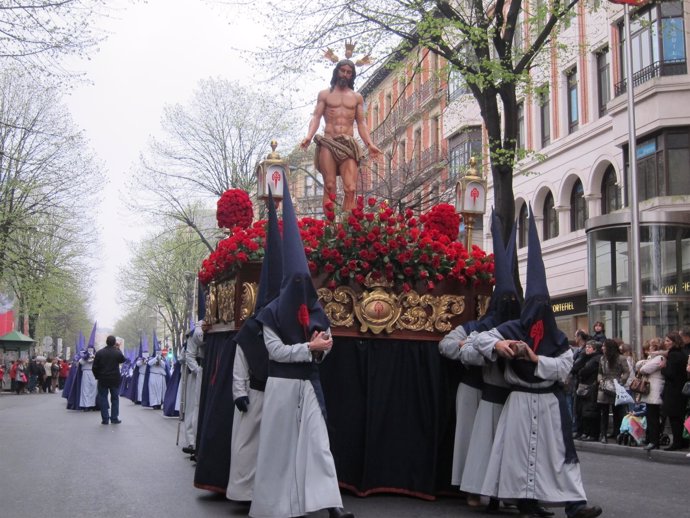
[
  {"x": 157, "y": 278},
  {"x": 477, "y": 38},
  {"x": 37, "y": 34},
  {"x": 47, "y": 173}
]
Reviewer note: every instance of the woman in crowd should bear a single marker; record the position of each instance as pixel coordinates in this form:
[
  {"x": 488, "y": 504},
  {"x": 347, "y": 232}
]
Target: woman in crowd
[
  {"x": 675, "y": 375},
  {"x": 651, "y": 367},
  {"x": 21, "y": 377},
  {"x": 599, "y": 332},
  {"x": 612, "y": 366},
  {"x": 586, "y": 368}
]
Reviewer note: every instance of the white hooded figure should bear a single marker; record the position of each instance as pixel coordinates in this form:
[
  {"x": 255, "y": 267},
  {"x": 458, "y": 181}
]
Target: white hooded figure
[
  {"x": 89, "y": 385},
  {"x": 141, "y": 366},
  {"x": 194, "y": 359},
  {"x": 157, "y": 383}
]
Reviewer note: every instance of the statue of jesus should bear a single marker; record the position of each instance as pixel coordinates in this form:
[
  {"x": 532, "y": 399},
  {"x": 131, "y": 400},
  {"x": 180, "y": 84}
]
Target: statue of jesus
[{"x": 337, "y": 153}]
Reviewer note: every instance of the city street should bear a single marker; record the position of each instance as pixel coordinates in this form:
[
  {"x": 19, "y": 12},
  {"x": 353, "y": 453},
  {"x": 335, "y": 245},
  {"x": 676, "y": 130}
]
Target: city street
[{"x": 59, "y": 463}]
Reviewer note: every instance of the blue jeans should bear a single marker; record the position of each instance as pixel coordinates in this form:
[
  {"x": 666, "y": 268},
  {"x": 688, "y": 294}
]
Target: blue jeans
[{"x": 114, "y": 402}]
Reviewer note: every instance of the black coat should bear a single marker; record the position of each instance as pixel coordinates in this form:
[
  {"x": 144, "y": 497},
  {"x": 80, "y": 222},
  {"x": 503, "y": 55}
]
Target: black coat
[
  {"x": 675, "y": 377},
  {"x": 587, "y": 369},
  {"x": 106, "y": 366}
]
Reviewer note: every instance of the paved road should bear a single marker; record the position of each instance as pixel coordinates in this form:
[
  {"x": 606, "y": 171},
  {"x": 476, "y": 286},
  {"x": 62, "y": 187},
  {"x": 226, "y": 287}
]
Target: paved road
[{"x": 57, "y": 463}]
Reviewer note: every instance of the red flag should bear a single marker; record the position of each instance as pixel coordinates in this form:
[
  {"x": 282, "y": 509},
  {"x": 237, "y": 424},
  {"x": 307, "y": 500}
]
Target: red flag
[{"x": 634, "y": 3}]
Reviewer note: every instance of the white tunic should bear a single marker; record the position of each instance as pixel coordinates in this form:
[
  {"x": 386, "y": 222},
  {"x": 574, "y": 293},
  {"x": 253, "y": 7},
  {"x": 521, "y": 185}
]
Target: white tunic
[
  {"x": 89, "y": 385},
  {"x": 466, "y": 403},
  {"x": 157, "y": 382},
  {"x": 295, "y": 472},
  {"x": 141, "y": 367},
  {"x": 528, "y": 455},
  {"x": 246, "y": 427},
  {"x": 195, "y": 349},
  {"x": 486, "y": 419}
]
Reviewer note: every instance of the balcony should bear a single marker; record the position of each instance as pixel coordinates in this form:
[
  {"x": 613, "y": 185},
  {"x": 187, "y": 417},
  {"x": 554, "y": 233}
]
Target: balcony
[{"x": 673, "y": 67}]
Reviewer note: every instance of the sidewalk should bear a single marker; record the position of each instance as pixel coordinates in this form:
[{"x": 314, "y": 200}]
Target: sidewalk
[{"x": 658, "y": 455}]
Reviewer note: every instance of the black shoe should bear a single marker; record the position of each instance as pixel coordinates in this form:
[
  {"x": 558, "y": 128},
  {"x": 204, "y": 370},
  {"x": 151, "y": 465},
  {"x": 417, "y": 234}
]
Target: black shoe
[
  {"x": 115, "y": 421},
  {"x": 604, "y": 439},
  {"x": 339, "y": 512},
  {"x": 587, "y": 512},
  {"x": 189, "y": 449},
  {"x": 493, "y": 507},
  {"x": 192, "y": 458},
  {"x": 542, "y": 511},
  {"x": 651, "y": 446},
  {"x": 586, "y": 438},
  {"x": 104, "y": 422},
  {"x": 577, "y": 436},
  {"x": 156, "y": 407}
]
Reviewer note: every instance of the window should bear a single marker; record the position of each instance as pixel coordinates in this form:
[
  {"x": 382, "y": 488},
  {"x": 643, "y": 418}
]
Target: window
[
  {"x": 389, "y": 102},
  {"x": 417, "y": 151},
  {"x": 389, "y": 166},
  {"x": 545, "y": 119},
  {"x": 402, "y": 154},
  {"x": 456, "y": 85},
  {"x": 573, "y": 115},
  {"x": 520, "y": 137},
  {"x": 463, "y": 146},
  {"x": 308, "y": 185},
  {"x": 523, "y": 227},
  {"x": 603, "y": 80},
  {"x": 375, "y": 120},
  {"x": 578, "y": 207},
  {"x": 550, "y": 218},
  {"x": 658, "y": 43},
  {"x": 375, "y": 180},
  {"x": 610, "y": 192},
  {"x": 435, "y": 127},
  {"x": 663, "y": 164}
]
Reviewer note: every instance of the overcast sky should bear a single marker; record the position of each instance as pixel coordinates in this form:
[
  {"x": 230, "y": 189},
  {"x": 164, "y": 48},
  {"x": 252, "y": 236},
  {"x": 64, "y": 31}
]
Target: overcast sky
[{"x": 155, "y": 54}]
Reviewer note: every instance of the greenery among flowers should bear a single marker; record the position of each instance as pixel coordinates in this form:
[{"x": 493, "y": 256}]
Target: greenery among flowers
[{"x": 372, "y": 239}]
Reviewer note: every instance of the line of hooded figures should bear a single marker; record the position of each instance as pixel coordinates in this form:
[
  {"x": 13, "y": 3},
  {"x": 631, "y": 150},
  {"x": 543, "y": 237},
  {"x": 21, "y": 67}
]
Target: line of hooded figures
[
  {"x": 147, "y": 378},
  {"x": 513, "y": 439}
]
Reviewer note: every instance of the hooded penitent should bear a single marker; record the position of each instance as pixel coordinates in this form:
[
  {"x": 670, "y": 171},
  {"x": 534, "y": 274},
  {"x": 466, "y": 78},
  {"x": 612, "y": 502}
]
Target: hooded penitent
[
  {"x": 504, "y": 304},
  {"x": 537, "y": 328},
  {"x": 296, "y": 313},
  {"x": 249, "y": 337},
  {"x": 537, "y": 324}
]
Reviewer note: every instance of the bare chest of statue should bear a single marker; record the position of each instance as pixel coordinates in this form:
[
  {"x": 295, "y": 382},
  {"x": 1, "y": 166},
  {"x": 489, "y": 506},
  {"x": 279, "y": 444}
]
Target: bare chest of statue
[{"x": 341, "y": 108}]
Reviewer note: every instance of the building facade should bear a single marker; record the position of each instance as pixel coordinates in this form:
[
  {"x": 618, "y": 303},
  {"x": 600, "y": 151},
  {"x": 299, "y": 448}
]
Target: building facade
[{"x": 575, "y": 121}]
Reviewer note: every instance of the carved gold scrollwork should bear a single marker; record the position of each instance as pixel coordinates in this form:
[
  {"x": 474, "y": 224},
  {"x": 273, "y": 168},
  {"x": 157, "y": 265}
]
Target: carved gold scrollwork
[
  {"x": 211, "y": 304},
  {"x": 377, "y": 311},
  {"x": 226, "y": 302},
  {"x": 483, "y": 302},
  {"x": 415, "y": 311},
  {"x": 249, "y": 293},
  {"x": 339, "y": 305}
]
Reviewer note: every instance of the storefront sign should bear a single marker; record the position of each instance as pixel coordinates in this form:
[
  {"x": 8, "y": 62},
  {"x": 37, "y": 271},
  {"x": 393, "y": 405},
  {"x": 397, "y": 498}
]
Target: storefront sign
[{"x": 571, "y": 305}]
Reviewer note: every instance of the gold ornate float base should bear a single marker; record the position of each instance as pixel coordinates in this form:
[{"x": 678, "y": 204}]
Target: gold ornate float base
[{"x": 374, "y": 309}]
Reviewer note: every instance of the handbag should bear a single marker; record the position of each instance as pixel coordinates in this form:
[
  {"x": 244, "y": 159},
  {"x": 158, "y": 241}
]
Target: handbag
[
  {"x": 640, "y": 384},
  {"x": 583, "y": 390},
  {"x": 686, "y": 389},
  {"x": 608, "y": 387}
]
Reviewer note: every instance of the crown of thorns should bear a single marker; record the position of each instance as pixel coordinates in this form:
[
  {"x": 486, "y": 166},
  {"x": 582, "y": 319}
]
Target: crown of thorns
[{"x": 349, "y": 50}]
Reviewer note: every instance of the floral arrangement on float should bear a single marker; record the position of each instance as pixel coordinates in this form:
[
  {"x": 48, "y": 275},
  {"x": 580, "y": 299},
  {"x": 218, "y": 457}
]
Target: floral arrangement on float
[{"x": 373, "y": 241}]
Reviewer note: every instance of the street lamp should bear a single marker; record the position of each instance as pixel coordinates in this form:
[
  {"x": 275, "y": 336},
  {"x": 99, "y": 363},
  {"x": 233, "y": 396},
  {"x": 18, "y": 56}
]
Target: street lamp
[
  {"x": 470, "y": 198},
  {"x": 271, "y": 173}
]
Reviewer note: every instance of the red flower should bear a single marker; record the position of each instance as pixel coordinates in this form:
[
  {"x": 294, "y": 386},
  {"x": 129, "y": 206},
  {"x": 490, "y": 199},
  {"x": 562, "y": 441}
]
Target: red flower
[{"x": 234, "y": 209}]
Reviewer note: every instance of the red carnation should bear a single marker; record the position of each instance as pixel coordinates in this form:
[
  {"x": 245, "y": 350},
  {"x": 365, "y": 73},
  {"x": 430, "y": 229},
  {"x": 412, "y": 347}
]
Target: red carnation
[{"x": 234, "y": 209}]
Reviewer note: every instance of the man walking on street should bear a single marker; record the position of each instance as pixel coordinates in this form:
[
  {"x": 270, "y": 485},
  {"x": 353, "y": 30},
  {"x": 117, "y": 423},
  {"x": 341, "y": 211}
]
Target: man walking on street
[{"x": 106, "y": 369}]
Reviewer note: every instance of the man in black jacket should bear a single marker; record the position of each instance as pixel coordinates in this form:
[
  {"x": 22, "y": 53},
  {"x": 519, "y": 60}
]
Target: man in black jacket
[{"x": 106, "y": 369}]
